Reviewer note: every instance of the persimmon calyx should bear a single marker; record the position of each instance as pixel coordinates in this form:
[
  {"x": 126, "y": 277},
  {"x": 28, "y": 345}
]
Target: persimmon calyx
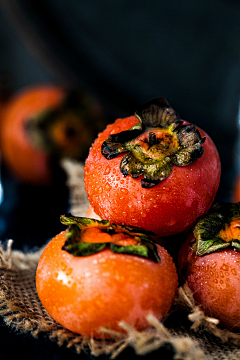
[
  {"x": 65, "y": 129},
  {"x": 218, "y": 230},
  {"x": 157, "y": 142},
  {"x": 85, "y": 237}
]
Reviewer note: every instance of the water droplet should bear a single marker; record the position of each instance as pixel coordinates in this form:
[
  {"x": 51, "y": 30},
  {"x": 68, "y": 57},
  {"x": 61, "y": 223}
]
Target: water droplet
[
  {"x": 224, "y": 267},
  {"x": 107, "y": 170},
  {"x": 119, "y": 278},
  {"x": 63, "y": 266},
  {"x": 106, "y": 274},
  {"x": 107, "y": 187},
  {"x": 88, "y": 274},
  {"x": 69, "y": 271}
]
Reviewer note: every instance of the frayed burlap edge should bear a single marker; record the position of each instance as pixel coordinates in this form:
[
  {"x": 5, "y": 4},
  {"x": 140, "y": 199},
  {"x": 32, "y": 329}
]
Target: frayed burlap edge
[
  {"x": 23, "y": 312},
  {"x": 75, "y": 181},
  {"x": 186, "y": 301}
]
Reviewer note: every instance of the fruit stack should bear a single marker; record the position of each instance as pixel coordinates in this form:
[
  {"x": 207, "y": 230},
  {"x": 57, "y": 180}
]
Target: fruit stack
[{"x": 151, "y": 181}]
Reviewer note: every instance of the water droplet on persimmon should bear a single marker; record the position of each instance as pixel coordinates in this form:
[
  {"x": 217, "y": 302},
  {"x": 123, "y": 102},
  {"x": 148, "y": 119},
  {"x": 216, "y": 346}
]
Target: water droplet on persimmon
[
  {"x": 107, "y": 170},
  {"x": 63, "y": 266},
  {"x": 124, "y": 191},
  {"x": 69, "y": 271},
  {"x": 107, "y": 187}
]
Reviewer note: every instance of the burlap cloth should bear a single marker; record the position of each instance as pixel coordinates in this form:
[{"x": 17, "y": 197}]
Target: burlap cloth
[{"x": 186, "y": 329}]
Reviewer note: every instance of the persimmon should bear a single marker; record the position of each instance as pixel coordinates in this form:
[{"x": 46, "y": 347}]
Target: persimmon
[
  {"x": 209, "y": 262},
  {"x": 235, "y": 195},
  {"x": 91, "y": 214},
  {"x": 96, "y": 274},
  {"x": 44, "y": 122},
  {"x": 152, "y": 170}
]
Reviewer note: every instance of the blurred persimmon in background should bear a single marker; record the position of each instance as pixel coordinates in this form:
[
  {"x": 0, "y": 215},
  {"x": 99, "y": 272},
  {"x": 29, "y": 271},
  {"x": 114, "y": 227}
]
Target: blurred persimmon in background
[{"x": 44, "y": 123}]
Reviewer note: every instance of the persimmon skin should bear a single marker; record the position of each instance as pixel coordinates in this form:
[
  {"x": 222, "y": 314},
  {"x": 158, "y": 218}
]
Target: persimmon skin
[
  {"x": 91, "y": 214},
  {"x": 214, "y": 280},
  {"x": 169, "y": 208},
  {"x": 235, "y": 194},
  {"x": 26, "y": 162},
  {"x": 86, "y": 293}
]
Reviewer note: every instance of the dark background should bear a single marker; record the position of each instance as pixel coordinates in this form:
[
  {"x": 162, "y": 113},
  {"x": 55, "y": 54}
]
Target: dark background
[
  {"x": 124, "y": 53},
  {"x": 127, "y": 52}
]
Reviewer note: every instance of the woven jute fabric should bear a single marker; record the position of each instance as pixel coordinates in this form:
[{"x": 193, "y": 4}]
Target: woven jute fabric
[{"x": 192, "y": 335}]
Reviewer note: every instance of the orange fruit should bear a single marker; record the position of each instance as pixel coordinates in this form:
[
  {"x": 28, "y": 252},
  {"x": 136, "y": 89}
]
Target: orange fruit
[
  {"x": 26, "y": 162},
  {"x": 85, "y": 293}
]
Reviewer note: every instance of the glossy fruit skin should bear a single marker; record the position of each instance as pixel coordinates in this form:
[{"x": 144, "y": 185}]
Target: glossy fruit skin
[
  {"x": 235, "y": 194},
  {"x": 86, "y": 293},
  {"x": 166, "y": 209},
  {"x": 27, "y": 163},
  {"x": 214, "y": 280},
  {"x": 91, "y": 214}
]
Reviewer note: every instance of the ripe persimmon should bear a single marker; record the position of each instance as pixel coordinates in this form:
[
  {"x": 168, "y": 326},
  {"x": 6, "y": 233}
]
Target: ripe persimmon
[
  {"x": 235, "y": 195},
  {"x": 97, "y": 274},
  {"x": 42, "y": 122},
  {"x": 209, "y": 262},
  {"x": 152, "y": 170}
]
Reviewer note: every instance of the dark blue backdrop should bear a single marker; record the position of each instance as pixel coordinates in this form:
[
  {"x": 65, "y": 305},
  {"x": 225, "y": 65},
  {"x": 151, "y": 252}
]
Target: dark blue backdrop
[
  {"x": 124, "y": 52},
  {"x": 127, "y": 52}
]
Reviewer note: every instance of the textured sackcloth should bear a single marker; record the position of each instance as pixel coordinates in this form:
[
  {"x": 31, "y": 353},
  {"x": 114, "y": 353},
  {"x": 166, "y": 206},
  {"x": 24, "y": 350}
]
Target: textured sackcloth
[{"x": 192, "y": 335}]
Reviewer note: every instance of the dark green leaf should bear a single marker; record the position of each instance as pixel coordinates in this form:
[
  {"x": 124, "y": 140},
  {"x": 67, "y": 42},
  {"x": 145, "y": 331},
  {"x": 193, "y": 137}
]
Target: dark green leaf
[
  {"x": 139, "y": 250},
  {"x": 236, "y": 245},
  {"x": 206, "y": 247},
  {"x": 84, "y": 249}
]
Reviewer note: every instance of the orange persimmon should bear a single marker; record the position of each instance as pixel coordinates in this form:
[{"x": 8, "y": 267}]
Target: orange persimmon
[
  {"x": 101, "y": 274},
  {"x": 26, "y": 161},
  {"x": 44, "y": 122}
]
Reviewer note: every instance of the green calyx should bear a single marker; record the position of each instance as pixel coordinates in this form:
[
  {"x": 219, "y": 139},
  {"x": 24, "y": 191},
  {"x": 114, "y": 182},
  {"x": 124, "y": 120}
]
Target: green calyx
[
  {"x": 218, "y": 230},
  {"x": 76, "y": 246},
  {"x": 157, "y": 142}
]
